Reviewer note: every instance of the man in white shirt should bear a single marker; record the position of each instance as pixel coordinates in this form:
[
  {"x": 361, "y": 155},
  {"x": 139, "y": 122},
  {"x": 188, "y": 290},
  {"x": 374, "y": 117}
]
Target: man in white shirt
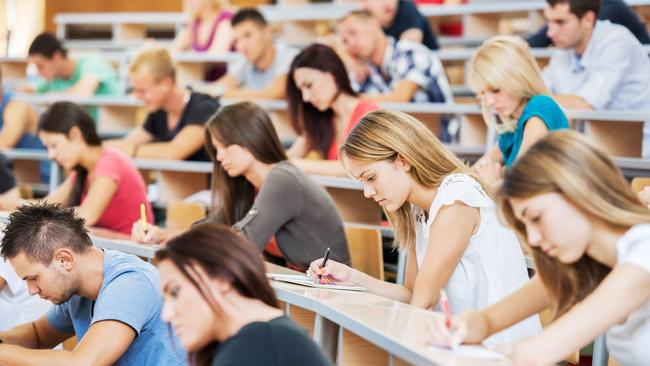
[{"x": 599, "y": 65}]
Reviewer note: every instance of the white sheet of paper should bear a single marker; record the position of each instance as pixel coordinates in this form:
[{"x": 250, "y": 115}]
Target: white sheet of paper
[
  {"x": 306, "y": 281},
  {"x": 470, "y": 351}
]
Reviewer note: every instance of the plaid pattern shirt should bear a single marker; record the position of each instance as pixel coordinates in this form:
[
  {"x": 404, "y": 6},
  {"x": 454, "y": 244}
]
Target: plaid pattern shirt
[{"x": 406, "y": 60}]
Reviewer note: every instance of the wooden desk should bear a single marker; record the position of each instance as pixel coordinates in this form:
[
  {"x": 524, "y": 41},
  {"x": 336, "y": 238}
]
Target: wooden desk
[
  {"x": 117, "y": 114},
  {"x": 368, "y": 329}
]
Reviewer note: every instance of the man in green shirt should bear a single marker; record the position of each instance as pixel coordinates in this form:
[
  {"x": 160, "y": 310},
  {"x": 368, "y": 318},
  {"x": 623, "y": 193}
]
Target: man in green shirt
[
  {"x": 86, "y": 76},
  {"x": 83, "y": 77}
]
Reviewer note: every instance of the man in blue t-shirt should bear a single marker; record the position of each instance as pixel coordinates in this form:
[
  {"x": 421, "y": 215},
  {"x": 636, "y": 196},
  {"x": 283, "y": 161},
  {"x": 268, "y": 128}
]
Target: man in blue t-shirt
[{"x": 108, "y": 299}]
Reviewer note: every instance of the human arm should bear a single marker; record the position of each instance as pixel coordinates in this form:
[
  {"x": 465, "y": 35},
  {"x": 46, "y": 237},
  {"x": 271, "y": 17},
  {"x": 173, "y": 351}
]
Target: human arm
[
  {"x": 103, "y": 344},
  {"x": 572, "y": 102},
  {"x": 85, "y": 87},
  {"x": 474, "y": 326},
  {"x": 412, "y": 34},
  {"x": 493, "y": 155},
  {"x": 588, "y": 319},
  {"x": 135, "y": 137},
  {"x": 280, "y": 200},
  {"x": 34, "y": 335},
  {"x": 223, "y": 37},
  {"x": 275, "y": 90},
  {"x": 227, "y": 82},
  {"x": 184, "y": 144},
  {"x": 320, "y": 167},
  {"x": 299, "y": 149},
  {"x": 100, "y": 193},
  {"x": 403, "y": 92},
  {"x": 18, "y": 116},
  {"x": 338, "y": 273},
  {"x": 153, "y": 233},
  {"x": 644, "y": 196},
  {"x": 606, "y": 76},
  {"x": 182, "y": 42},
  {"x": 449, "y": 236},
  {"x": 534, "y": 130},
  {"x": 62, "y": 193}
]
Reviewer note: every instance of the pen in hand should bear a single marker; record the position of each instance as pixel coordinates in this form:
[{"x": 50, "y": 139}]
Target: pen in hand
[
  {"x": 444, "y": 300},
  {"x": 322, "y": 265},
  {"x": 143, "y": 218}
]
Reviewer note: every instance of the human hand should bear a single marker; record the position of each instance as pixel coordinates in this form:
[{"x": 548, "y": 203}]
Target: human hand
[
  {"x": 149, "y": 236},
  {"x": 333, "y": 272}
]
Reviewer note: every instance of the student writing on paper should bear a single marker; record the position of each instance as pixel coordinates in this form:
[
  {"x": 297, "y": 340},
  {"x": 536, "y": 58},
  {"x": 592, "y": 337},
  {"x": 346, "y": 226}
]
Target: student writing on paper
[
  {"x": 590, "y": 238},
  {"x": 323, "y": 108},
  {"x": 106, "y": 298},
  {"x": 221, "y": 306},
  {"x": 103, "y": 184},
  {"x": 263, "y": 195},
  {"x": 174, "y": 127},
  {"x": 444, "y": 217},
  {"x": 507, "y": 80}
]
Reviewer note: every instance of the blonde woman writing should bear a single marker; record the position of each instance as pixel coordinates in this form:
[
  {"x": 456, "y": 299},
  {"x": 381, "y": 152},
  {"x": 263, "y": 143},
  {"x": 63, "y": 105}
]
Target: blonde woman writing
[
  {"x": 443, "y": 216},
  {"x": 515, "y": 102},
  {"x": 591, "y": 242}
]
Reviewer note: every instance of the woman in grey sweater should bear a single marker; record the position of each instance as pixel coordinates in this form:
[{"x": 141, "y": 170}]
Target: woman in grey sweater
[{"x": 260, "y": 193}]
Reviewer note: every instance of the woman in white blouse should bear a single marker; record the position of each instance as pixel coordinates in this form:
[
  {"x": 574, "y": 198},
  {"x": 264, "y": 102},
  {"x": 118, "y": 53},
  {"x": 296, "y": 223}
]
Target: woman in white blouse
[{"x": 443, "y": 215}]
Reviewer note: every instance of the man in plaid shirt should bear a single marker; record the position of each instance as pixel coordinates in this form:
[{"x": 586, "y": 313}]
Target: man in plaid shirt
[{"x": 392, "y": 71}]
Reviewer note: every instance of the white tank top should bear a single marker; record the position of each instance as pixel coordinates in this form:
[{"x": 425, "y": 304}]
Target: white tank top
[{"x": 493, "y": 264}]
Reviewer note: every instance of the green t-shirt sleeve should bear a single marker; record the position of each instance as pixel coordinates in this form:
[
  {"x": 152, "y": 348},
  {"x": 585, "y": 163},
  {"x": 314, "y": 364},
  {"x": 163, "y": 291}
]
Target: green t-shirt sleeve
[
  {"x": 103, "y": 70},
  {"x": 43, "y": 87},
  {"x": 96, "y": 66}
]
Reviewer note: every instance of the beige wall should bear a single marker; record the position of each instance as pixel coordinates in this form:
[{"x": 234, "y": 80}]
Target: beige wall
[{"x": 29, "y": 16}]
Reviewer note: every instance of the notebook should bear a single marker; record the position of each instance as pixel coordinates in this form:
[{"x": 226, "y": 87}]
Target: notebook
[
  {"x": 306, "y": 281},
  {"x": 470, "y": 351}
]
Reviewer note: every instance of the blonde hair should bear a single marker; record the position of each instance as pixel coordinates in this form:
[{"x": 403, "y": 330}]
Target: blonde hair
[
  {"x": 156, "y": 60},
  {"x": 569, "y": 163},
  {"x": 216, "y": 5},
  {"x": 505, "y": 63},
  {"x": 385, "y": 134},
  {"x": 219, "y": 5}
]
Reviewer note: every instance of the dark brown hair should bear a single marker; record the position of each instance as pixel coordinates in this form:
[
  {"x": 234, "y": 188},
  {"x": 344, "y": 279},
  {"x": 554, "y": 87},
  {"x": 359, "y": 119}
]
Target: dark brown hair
[
  {"x": 61, "y": 117},
  {"x": 579, "y": 7},
  {"x": 39, "y": 229},
  {"x": 317, "y": 125},
  {"x": 46, "y": 45},
  {"x": 568, "y": 163},
  {"x": 249, "y": 126},
  {"x": 224, "y": 254}
]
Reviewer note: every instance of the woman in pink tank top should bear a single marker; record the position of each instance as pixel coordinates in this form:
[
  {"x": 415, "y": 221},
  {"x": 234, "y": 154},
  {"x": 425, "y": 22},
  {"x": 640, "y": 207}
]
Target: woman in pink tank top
[
  {"x": 323, "y": 108},
  {"x": 209, "y": 30}
]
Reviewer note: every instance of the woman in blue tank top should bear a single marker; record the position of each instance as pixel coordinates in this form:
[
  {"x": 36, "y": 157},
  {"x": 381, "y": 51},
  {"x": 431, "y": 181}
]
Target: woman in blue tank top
[{"x": 514, "y": 100}]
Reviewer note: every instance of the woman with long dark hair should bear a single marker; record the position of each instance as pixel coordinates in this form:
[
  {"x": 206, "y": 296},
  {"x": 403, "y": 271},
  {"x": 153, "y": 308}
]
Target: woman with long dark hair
[
  {"x": 103, "y": 184},
  {"x": 257, "y": 191},
  {"x": 323, "y": 108},
  {"x": 221, "y": 306}
]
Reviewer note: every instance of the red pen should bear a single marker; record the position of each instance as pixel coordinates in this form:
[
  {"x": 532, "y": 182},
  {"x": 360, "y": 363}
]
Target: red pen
[{"x": 445, "y": 307}]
